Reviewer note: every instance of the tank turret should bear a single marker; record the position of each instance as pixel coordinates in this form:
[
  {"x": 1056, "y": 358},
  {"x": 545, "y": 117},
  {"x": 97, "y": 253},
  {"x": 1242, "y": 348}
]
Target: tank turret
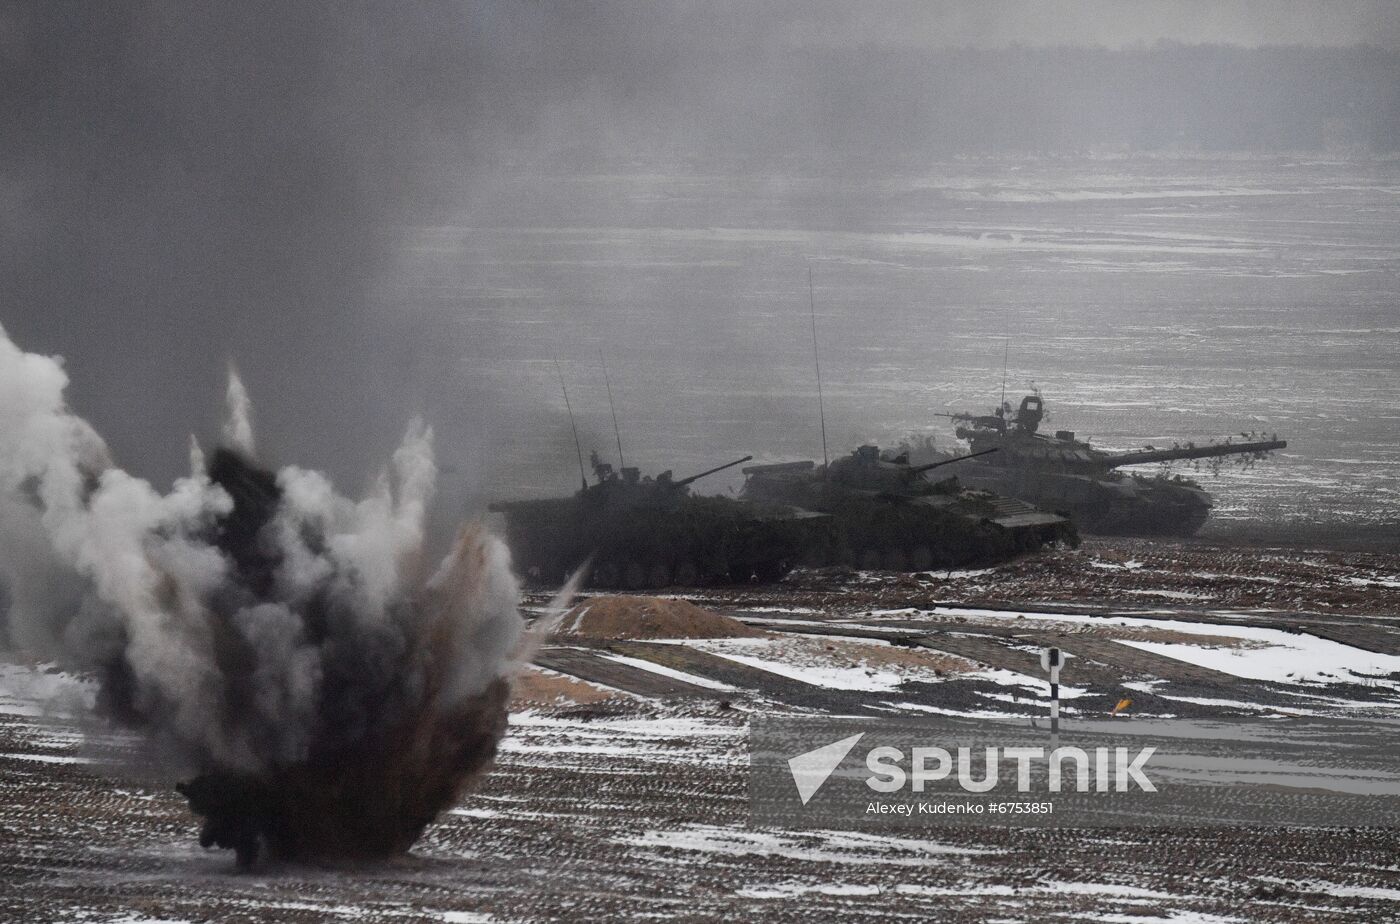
[
  {"x": 867, "y": 470},
  {"x": 631, "y": 489},
  {"x": 1066, "y": 474},
  {"x": 641, "y": 532},
  {"x": 887, "y": 514}
]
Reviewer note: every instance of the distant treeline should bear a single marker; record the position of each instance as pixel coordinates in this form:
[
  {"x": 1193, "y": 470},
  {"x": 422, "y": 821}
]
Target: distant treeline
[{"x": 883, "y": 103}]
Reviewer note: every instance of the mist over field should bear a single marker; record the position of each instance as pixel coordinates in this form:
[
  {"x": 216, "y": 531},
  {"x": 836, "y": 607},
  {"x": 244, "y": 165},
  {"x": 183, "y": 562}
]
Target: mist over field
[
  {"x": 1179, "y": 220},
  {"x": 312, "y": 313}
]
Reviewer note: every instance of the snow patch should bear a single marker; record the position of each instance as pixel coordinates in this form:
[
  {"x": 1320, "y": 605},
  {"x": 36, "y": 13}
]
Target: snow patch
[{"x": 672, "y": 673}]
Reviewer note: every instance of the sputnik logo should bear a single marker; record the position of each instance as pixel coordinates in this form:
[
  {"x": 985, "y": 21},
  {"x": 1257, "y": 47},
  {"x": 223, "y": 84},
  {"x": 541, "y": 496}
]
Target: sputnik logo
[{"x": 812, "y": 769}]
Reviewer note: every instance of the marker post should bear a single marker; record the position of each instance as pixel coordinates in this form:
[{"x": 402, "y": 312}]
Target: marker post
[{"x": 1051, "y": 659}]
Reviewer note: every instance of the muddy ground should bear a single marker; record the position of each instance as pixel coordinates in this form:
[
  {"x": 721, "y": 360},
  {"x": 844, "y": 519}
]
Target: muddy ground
[
  {"x": 620, "y": 793},
  {"x": 1112, "y": 574}
]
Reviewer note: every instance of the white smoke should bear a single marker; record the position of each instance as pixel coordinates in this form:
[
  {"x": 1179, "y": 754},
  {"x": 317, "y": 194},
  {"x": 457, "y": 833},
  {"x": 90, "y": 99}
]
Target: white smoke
[
  {"x": 238, "y": 417},
  {"x": 106, "y": 573}
]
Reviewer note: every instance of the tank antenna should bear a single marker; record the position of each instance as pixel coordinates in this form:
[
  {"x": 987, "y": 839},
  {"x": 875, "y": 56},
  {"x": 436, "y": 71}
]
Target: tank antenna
[
  {"x": 1005, "y": 360},
  {"x": 578, "y": 447},
  {"x": 616, "y": 432},
  {"x": 816, "y": 360}
]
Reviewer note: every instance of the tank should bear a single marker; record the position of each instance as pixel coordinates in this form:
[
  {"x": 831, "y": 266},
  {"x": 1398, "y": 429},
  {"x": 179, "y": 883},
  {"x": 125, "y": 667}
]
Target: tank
[
  {"x": 886, "y": 513},
  {"x": 652, "y": 532},
  {"x": 1068, "y": 475}
]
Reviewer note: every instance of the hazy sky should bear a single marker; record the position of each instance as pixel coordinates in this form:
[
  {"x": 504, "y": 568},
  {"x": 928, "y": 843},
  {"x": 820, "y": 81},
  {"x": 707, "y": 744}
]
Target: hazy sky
[
  {"x": 188, "y": 183},
  {"x": 989, "y": 23}
]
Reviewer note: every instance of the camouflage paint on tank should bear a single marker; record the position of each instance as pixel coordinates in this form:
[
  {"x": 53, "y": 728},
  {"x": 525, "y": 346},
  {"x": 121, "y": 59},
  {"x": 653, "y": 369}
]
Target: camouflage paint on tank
[
  {"x": 886, "y": 513},
  {"x": 1067, "y": 475}
]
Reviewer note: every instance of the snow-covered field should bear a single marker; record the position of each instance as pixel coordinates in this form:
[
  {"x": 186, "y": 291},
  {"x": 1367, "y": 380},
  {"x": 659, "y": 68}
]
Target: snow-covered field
[
  {"x": 628, "y": 805},
  {"x": 639, "y": 813}
]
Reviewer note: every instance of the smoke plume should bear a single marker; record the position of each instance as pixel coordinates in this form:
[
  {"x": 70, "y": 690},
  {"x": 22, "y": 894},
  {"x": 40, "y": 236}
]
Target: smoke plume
[{"x": 286, "y": 649}]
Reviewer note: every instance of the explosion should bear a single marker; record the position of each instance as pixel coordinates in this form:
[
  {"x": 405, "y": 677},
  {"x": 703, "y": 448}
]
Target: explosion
[{"x": 283, "y": 648}]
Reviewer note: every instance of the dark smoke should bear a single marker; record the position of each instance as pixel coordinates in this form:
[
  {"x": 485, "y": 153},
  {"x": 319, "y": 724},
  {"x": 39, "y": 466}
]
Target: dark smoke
[
  {"x": 282, "y": 647},
  {"x": 387, "y": 756}
]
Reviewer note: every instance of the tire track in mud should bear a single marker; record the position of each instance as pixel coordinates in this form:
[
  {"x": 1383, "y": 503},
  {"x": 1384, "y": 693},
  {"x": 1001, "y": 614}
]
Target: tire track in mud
[
  {"x": 1101, "y": 665},
  {"x": 1126, "y": 663},
  {"x": 765, "y": 684},
  {"x": 1135, "y": 664},
  {"x": 1378, "y": 639},
  {"x": 990, "y": 648},
  {"x": 591, "y": 666}
]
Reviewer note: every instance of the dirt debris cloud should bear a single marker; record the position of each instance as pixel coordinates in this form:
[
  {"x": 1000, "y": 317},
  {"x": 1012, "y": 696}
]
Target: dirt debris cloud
[{"x": 288, "y": 649}]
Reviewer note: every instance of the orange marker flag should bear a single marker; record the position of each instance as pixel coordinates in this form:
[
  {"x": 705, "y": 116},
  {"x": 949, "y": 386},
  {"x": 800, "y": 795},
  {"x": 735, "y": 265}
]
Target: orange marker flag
[{"x": 1123, "y": 704}]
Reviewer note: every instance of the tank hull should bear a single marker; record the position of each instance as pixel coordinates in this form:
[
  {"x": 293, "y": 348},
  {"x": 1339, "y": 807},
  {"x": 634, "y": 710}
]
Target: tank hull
[
  {"x": 873, "y": 530},
  {"x": 695, "y": 541},
  {"x": 1069, "y": 476},
  {"x": 1115, "y": 504}
]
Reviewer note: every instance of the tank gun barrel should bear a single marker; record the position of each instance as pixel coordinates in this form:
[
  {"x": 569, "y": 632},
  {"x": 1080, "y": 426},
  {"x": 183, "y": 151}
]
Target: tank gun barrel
[
  {"x": 920, "y": 469},
  {"x": 718, "y": 468},
  {"x": 1143, "y": 456}
]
